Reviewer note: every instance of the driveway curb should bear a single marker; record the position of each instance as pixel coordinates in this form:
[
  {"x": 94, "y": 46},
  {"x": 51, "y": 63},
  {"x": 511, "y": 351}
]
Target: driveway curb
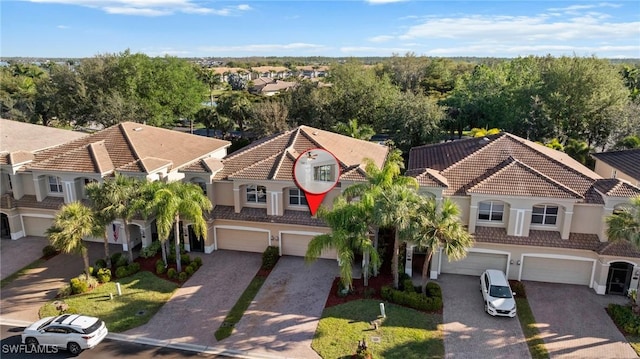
[{"x": 165, "y": 343}]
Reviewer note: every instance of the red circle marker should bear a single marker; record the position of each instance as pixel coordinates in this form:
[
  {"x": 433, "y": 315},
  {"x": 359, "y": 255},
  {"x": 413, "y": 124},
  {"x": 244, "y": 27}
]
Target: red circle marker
[{"x": 316, "y": 172}]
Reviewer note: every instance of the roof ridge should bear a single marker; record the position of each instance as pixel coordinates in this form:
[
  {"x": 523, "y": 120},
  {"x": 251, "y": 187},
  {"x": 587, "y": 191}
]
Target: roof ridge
[
  {"x": 92, "y": 147},
  {"x": 292, "y": 140},
  {"x": 475, "y": 153},
  {"x": 256, "y": 144},
  {"x": 254, "y": 164},
  {"x": 128, "y": 140}
]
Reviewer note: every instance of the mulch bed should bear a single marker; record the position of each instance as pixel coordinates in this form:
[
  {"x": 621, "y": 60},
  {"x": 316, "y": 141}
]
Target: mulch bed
[
  {"x": 149, "y": 265},
  {"x": 360, "y": 291}
]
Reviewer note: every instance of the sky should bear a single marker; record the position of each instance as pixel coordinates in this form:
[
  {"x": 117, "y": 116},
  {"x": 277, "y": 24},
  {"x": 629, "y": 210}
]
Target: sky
[{"x": 350, "y": 28}]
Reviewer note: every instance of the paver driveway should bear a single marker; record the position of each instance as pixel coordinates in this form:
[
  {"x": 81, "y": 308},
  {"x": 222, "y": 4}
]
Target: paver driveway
[
  {"x": 284, "y": 316},
  {"x": 196, "y": 310},
  {"x": 573, "y": 322},
  {"x": 15, "y": 255},
  {"x": 469, "y": 332}
]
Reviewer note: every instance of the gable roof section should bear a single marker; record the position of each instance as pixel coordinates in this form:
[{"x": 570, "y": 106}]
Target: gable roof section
[
  {"x": 500, "y": 160},
  {"x": 627, "y": 161},
  {"x": 614, "y": 187},
  {"x": 22, "y": 136},
  {"x": 127, "y": 147},
  {"x": 428, "y": 177},
  {"x": 272, "y": 158}
]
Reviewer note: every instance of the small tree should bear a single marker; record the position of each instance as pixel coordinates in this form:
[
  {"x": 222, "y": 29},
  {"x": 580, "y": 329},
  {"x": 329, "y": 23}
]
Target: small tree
[
  {"x": 624, "y": 225},
  {"x": 73, "y": 222}
]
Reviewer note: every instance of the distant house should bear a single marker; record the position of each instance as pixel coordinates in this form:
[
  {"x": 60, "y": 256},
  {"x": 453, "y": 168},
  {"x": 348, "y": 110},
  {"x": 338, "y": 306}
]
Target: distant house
[
  {"x": 268, "y": 86},
  {"x": 624, "y": 165}
]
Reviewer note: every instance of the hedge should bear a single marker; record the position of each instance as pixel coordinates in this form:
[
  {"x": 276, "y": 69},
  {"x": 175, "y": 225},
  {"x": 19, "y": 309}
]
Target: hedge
[{"x": 412, "y": 299}]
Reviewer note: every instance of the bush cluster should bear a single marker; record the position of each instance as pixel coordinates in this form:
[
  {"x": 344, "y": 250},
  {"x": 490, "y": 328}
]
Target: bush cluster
[
  {"x": 183, "y": 276},
  {"x": 171, "y": 273},
  {"x": 127, "y": 270},
  {"x": 49, "y": 251},
  {"x": 160, "y": 269},
  {"x": 103, "y": 275},
  {"x": 198, "y": 261},
  {"x": 82, "y": 284},
  {"x": 270, "y": 257},
  {"x": 185, "y": 259},
  {"x": 625, "y": 318},
  {"x": 414, "y": 300},
  {"x": 151, "y": 250},
  {"x": 101, "y": 263}
]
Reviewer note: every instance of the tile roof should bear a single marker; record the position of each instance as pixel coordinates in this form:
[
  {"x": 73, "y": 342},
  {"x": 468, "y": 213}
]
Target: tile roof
[
  {"x": 494, "y": 164},
  {"x": 614, "y": 187},
  {"x": 260, "y": 215},
  {"x": 627, "y": 161},
  {"x": 127, "y": 147},
  {"x": 619, "y": 248},
  {"x": 272, "y": 158},
  {"x": 29, "y": 201},
  {"x": 22, "y": 136},
  {"x": 427, "y": 177}
]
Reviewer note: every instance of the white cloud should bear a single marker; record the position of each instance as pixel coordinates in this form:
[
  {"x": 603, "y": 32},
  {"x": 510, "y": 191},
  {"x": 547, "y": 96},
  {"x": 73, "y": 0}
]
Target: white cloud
[
  {"x": 382, "y": 38},
  {"x": 151, "y": 7},
  {"x": 264, "y": 48},
  {"x": 63, "y": 27}
]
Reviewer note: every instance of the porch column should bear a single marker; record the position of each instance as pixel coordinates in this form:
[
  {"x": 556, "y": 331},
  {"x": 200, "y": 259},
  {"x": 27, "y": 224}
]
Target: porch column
[
  {"x": 473, "y": 217},
  {"x": 408, "y": 262},
  {"x": 566, "y": 225},
  {"x": 236, "y": 199}
]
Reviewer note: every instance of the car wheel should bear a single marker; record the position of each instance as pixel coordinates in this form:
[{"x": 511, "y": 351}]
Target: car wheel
[
  {"x": 74, "y": 348},
  {"x": 31, "y": 342}
]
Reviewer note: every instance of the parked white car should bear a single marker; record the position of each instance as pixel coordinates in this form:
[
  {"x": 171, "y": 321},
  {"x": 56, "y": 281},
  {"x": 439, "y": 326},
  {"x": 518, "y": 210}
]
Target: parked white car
[
  {"x": 497, "y": 294},
  {"x": 68, "y": 331}
]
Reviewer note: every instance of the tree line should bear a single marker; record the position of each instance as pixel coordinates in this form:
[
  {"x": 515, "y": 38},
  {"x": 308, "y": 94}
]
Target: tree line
[{"x": 579, "y": 102}]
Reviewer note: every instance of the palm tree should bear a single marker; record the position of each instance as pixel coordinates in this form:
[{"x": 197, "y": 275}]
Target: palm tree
[
  {"x": 352, "y": 129},
  {"x": 349, "y": 235},
  {"x": 73, "y": 222},
  {"x": 98, "y": 195},
  {"x": 624, "y": 225},
  {"x": 177, "y": 200},
  {"x": 438, "y": 225}
]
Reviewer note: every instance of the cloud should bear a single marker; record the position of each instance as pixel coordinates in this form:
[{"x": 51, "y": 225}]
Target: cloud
[
  {"x": 151, "y": 7},
  {"x": 382, "y": 38},
  {"x": 373, "y": 51},
  {"x": 296, "y": 47},
  {"x": 63, "y": 27}
]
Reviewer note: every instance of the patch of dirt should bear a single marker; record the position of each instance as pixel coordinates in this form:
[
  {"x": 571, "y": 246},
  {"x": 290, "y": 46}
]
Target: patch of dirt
[{"x": 149, "y": 265}]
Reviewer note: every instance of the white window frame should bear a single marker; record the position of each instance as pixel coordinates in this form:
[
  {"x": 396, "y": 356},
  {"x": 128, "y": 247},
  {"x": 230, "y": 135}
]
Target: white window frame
[
  {"x": 301, "y": 199},
  {"x": 257, "y": 191},
  {"x": 323, "y": 173},
  {"x": 544, "y": 215},
  {"x": 57, "y": 184},
  {"x": 492, "y": 212}
]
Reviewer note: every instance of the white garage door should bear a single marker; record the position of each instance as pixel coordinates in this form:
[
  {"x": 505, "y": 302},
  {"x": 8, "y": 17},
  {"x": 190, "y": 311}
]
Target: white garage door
[
  {"x": 475, "y": 263},
  {"x": 557, "y": 270},
  {"x": 36, "y": 226},
  {"x": 296, "y": 245},
  {"x": 241, "y": 240}
]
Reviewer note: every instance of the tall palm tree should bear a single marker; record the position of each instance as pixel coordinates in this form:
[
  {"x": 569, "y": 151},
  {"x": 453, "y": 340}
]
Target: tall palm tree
[
  {"x": 97, "y": 193},
  {"x": 349, "y": 235},
  {"x": 178, "y": 200},
  {"x": 395, "y": 207},
  {"x": 73, "y": 222},
  {"x": 624, "y": 225},
  {"x": 437, "y": 225},
  {"x": 352, "y": 129}
]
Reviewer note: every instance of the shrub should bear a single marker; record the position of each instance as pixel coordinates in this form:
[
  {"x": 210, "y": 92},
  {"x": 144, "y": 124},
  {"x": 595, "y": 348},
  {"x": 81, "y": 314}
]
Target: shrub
[
  {"x": 49, "y": 251},
  {"x": 122, "y": 261},
  {"x": 103, "y": 275},
  {"x": 270, "y": 257},
  {"x": 160, "y": 269},
  {"x": 182, "y": 276},
  {"x": 151, "y": 250},
  {"x": 434, "y": 290},
  {"x": 133, "y": 268},
  {"x": 407, "y": 284},
  {"x": 159, "y": 262},
  {"x": 189, "y": 270},
  {"x": 402, "y": 277},
  {"x": 64, "y": 291},
  {"x": 101, "y": 263},
  {"x": 625, "y": 318},
  {"x": 411, "y": 299},
  {"x": 121, "y": 272},
  {"x": 78, "y": 286},
  {"x": 198, "y": 261},
  {"x": 171, "y": 273},
  {"x": 71, "y": 310},
  {"x": 185, "y": 259},
  {"x": 115, "y": 257}
]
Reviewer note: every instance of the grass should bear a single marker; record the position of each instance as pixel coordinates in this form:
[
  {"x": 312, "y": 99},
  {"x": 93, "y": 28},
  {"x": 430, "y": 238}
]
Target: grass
[
  {"x": 404, "y": 334},
  {"x": 142, "y": 296},
  {"x": 236, "y": 313},
  {"x": 12, "y": 277},
  {"x": 530, "y": 331}
]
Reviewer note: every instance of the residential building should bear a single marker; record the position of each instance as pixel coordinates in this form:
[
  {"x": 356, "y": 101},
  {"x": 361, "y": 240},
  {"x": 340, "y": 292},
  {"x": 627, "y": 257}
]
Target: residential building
[
  {"x": 534, "y": 212},
  {"x": 624, "y": 165}
]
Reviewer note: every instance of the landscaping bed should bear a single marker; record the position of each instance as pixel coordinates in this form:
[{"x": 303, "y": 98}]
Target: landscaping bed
[{"x": 628, "y": 322}]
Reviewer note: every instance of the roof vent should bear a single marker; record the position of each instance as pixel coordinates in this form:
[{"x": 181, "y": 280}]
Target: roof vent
[
  {"x": 138, "y": 129},
  {"x": 315, "y": 133}
]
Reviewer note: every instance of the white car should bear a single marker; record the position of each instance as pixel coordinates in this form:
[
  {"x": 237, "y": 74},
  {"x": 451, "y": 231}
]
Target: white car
[
  {"x": 68, "y": 331},
  {"x": 497, "y": 294}
]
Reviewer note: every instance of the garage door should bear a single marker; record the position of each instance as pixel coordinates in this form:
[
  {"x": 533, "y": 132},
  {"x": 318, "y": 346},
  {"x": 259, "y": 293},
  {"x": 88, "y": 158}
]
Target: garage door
[
  {"x": 296, "y": 245},
  {"x": 241, "y": 240},
  {"x": 475, "y": 263},
  {"x": 36, "y": 226},
  {"x": 557, "y": 270}
]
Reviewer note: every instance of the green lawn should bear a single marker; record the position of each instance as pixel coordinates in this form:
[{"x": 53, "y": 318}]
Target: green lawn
[
  {"x": 404, "y": 334},
  {"x": 530, "y": 331},
  {"x": 236, "y": 313},
  {"x": 142, "y": 296}
]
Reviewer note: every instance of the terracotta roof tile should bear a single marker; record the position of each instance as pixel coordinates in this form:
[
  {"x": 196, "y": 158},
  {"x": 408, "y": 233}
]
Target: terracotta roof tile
[
  {"x": 260, "y": 215},
  {"x": 627, "y": 161},
  {"x": 614, "y": 187},
  {"x": 538, "y": 238},
  {"x": 18, "y": 157},
  {"x": 427, "y": 177},
  {"x": 22, "y": 136},
  {"x": 619, "y": 248},
  {"x": 29, "y": 201}
]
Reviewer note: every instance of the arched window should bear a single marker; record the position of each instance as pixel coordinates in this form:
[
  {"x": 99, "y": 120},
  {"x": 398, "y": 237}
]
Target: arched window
[
  {"x": 545, "y": 214},
  {"x": 492, "y": 211},
  {"x": 256, "y": 194}
]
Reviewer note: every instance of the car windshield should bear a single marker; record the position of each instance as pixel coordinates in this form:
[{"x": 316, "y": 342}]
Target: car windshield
[
  {"x": 95, "y": 326},
  {"x": 500, "y": 291},
  {"x": 46, "y": 323}
]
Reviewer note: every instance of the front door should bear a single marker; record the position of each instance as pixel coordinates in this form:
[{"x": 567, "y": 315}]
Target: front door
[
  {"x": 619, "y": 278},
  {"x": 195, "y": 244},
  {"x": 5, "y": 231}
]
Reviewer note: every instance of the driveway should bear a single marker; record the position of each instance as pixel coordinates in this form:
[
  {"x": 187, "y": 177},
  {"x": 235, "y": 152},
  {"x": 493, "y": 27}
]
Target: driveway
[
  {"x": 469, "y": 332},
  {"x": 196, "y": 310},
  {"x": 22, "y": 298},
  {"x": 15, "y": 255},
  {"x": 573, "y": 322},
  {"x": 284, "y": 316}
]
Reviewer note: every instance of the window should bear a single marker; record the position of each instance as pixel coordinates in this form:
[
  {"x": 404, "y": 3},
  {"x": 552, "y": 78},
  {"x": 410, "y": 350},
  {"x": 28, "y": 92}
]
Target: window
[
  {"x": 54, "y": 184},
  {"x": 200, "y": 182},
  {"x": 296, "y": 197},
  {"x": 256, "y": 194},
  {"x": 547, "y": 215},
  {"x": 323, "y": 173},
  {"x": 491, "y": 211}
]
